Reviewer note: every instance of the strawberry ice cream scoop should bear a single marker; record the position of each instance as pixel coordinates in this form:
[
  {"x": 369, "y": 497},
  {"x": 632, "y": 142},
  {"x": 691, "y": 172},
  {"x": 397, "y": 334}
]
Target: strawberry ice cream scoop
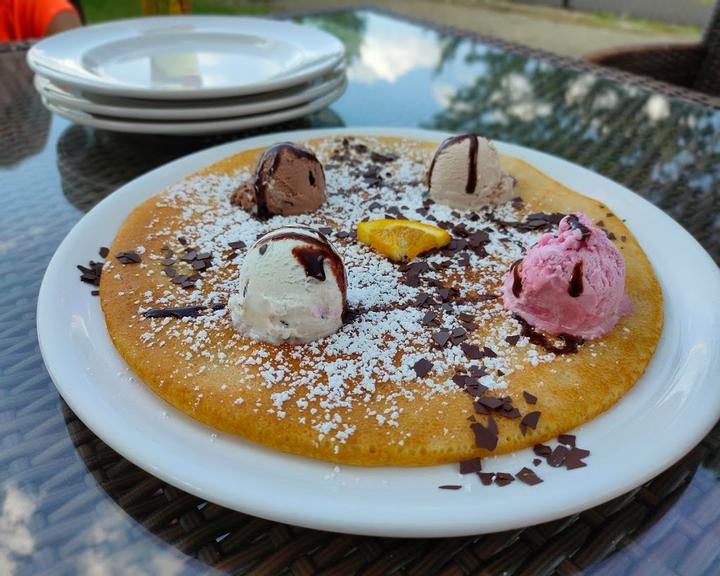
[{"x": 572, "y": 282}]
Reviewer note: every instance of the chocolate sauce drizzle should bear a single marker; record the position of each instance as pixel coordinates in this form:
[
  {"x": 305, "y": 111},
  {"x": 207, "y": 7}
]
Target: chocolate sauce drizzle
[
  {"x": 273, "y": 155},
  {"x": 312, "y": 257},
  {"x": 471, "y": 182},
  {"x": 575, "y": 224},
  {"x": 312, "y": 260},
  {"x": 517, "y": 280},
  {"x": 570, "y": 343},
  {"x": 576, "y": 282}
]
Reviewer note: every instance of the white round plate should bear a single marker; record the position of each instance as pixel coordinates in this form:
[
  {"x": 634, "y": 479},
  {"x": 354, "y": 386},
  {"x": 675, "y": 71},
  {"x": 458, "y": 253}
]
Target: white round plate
[
  {"x": 187, "y": 110},
  {"x": 186, "y": 128},
  {"x": 186, "y": 57},
  {"x": 669, "y": 410}
]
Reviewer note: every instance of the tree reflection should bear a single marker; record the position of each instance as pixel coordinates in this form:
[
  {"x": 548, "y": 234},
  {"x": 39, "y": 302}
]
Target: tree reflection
[
  {"x": 666, "y": 150},
  {"x": 349, "y": 27}
]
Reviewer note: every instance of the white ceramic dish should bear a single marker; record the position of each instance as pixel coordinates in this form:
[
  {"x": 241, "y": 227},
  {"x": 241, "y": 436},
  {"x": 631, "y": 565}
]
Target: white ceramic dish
[
  {"x": 670, "y": 409},
  {"x": 217, "y": 126},
  {"x": 186, "y": 57},
  {"x": 130, "y": 108}
]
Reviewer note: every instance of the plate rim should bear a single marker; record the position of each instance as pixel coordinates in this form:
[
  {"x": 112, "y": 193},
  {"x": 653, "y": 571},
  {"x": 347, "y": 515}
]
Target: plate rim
[
  {"x": 138, "y": 113},
  {"x": 361, "y": 523},
  {"x": 190, "y": 127},
  {"x": 39, "y": 65}
]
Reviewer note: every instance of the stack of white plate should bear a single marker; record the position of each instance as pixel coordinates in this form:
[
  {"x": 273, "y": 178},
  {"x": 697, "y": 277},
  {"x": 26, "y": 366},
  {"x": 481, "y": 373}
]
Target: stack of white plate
[{"x": 188, "y": 74}]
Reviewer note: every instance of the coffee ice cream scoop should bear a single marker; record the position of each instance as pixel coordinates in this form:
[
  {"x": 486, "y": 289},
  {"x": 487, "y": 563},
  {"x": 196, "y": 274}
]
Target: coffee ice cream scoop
[
  {"x": 465, "y": 173},
  {"x": 572, "y": 282},
  {"x": 292, "y": 287},
  {"x": 288, "y": 180}
]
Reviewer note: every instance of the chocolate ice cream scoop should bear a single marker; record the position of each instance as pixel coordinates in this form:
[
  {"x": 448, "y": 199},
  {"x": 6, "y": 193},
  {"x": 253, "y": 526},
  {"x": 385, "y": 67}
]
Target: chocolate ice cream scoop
[{"x": 288, "y": 180}]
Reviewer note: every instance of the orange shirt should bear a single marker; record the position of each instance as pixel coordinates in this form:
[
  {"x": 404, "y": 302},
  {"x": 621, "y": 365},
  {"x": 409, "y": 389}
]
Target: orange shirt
[{"x": 24, "y": 19}]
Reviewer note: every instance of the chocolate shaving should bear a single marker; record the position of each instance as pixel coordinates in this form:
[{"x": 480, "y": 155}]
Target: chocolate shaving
[
  {"x": 92, "y": 273},
  {"x": 481, "y": 409},
  {"x": 574, "y": 458},
  {"x": 542, "y": 450},
  {"x": 536, "y": 461},
  {"x": 575, "y": 224},
  {"x": 570, "y": 343},
  {"x": 529, "y": 398},
  {"x": 430, "y": 318},
  {"x": 530, "y": 420},
  {"x": 567, "y": 439},
  {"x": 486, "y": 478},
  {"x": 471, "y": 351},
  {"x": 503, "y": 479},
  {"x": 237, "y": 245},
  {"x": 470, "y": 466},
  {"x": 104, "y": 252},
  {"x": 484, "y": 437},
  {"x": 528, "y": 477},
  {"x": 422, "y": 367},
  {"x": 382, "y": 158},
  {"x": 490, "y": 402},
  {"x": 557, "y": 457},
  {"x": 474, "y": 388},
  {"x": 441, "y": 337},
  {"x": 450, "y": 487},
  {"x": 459, "y": 380},
  {"x": 128, "y": 257},
  {"x": 95, "y": 292},
  {"x": 184, "y": 312}
]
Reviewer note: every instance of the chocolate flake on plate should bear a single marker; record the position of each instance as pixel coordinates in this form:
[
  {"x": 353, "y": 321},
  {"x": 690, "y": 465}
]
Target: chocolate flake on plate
[
  {"x": 503, "y": 479},
  {"x": 486, "y": 478},
  {"x": 574, "y": 458},
  {"x": 528, "y": 477},
  {"x": 567, "y": 439},
  {"x": 450, "y": 487},
  {"x": 470, "y": 466},
  {"x": 557, "y": 457}
]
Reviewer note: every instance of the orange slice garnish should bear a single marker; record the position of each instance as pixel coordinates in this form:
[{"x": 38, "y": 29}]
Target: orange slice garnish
[{"x": 401, "y": 239}]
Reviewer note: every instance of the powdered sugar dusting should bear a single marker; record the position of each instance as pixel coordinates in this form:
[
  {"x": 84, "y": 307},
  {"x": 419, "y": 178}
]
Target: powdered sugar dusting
[{"x": 370, "y": 361}]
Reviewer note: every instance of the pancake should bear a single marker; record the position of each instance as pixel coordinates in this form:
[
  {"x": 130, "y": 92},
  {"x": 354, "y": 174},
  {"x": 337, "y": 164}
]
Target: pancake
[{"x": 355, "y": 397}]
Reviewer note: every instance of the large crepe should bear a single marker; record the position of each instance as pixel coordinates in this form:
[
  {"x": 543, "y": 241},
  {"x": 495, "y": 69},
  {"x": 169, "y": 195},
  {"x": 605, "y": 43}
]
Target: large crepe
[{"x": 354, "y": 397}]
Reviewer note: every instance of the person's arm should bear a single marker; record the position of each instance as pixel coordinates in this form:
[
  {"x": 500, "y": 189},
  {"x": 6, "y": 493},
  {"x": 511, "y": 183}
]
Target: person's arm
[{"x": 65, "y": 20}]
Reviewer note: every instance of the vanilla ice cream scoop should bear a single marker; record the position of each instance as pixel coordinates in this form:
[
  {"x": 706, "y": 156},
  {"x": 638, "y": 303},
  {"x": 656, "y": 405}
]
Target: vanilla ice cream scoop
[
  {"x": 465, "y": 173},
  {"x": 288, "y": 180},
  {"x": 292, "y": 288}
]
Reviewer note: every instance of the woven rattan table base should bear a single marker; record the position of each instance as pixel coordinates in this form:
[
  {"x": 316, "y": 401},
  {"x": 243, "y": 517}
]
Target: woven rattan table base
[{"x": 69, "y": 504}]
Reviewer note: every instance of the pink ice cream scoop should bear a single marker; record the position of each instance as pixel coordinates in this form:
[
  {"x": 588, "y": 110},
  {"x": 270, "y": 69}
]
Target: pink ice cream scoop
[{"x": 572, "y": 282}]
